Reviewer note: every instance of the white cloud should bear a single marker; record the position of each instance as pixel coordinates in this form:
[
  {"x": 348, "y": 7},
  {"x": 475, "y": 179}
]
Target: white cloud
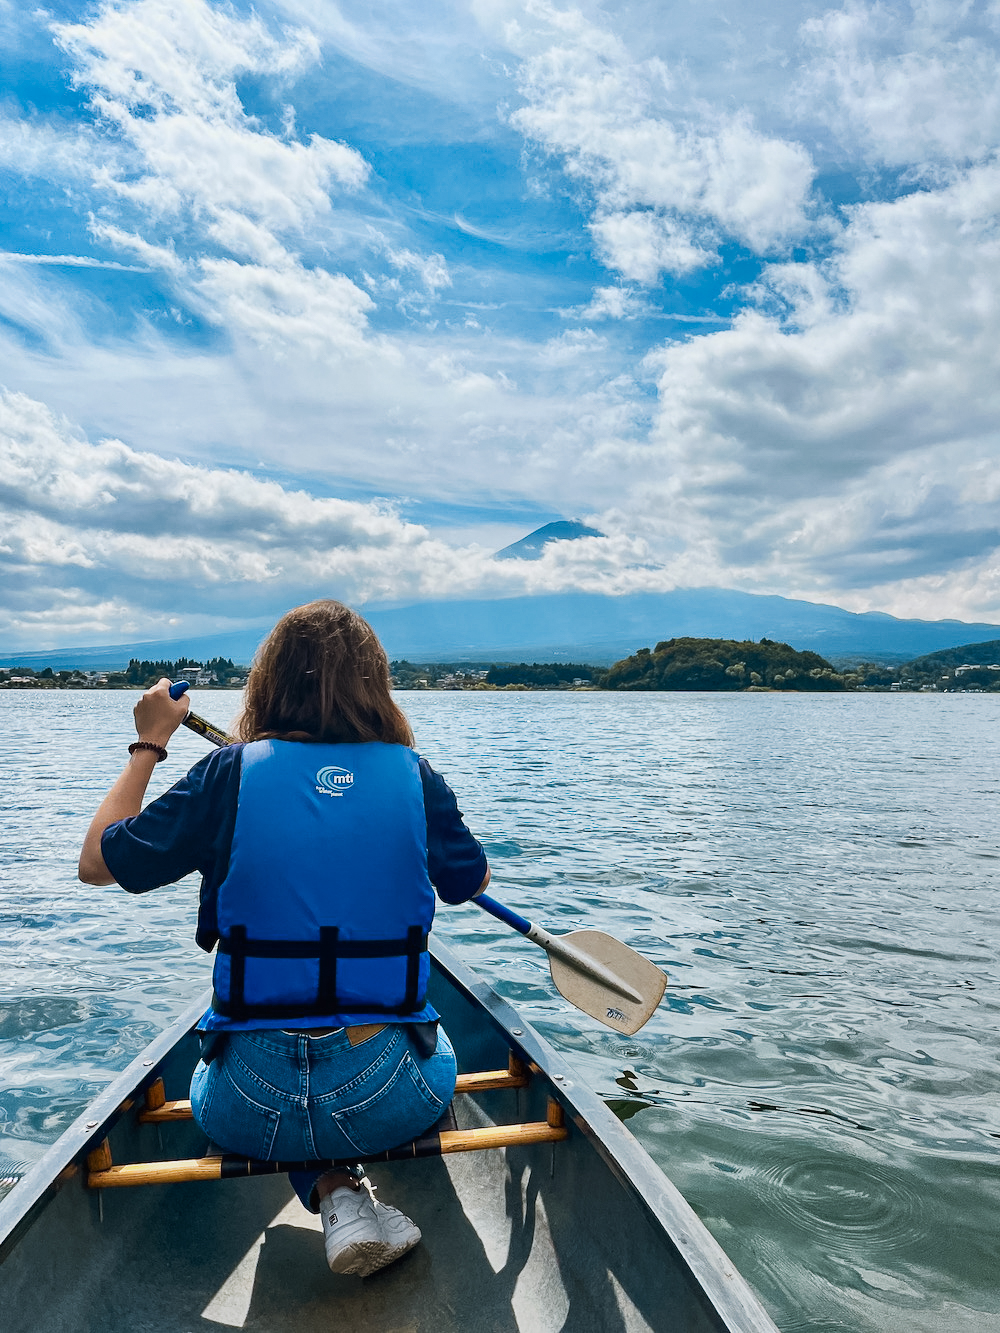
[
  {"x": 609, "y": 303},
  {"x": 288, "y": 309},
  {"x": 430, "y": 270},
  {"x": 429, "y": 273},
  {"x": 439, "y": 51},
  {"x": 296, "y": 390},
  {"x": 162, "y": 78},
  {"x": 163, "y": 53},
  {"x": 51, "y": 472},
  {"x": 667, "y": 178},
  {"x": 80, "y": 519},
  {"x": 642, "y": 245},
  {"x": 915, "y": 86},
  {"x": 218, "y": 165},
  {"x": 162, "y": 257},
  {"x": 297, "y": 375},
  {"x": 569, "y": 348},
  {"x": 845, "y": 436},
  {"x": 247, "y": 239},
  {"x": 162, "y": 74},
  {"x": 55, "y": 152},
  {"x": 65, "y": 261}
]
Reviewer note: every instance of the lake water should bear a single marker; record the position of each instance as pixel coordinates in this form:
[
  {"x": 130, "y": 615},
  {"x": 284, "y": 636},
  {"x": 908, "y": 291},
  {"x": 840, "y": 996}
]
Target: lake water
[{"x": 819, "y": 875}]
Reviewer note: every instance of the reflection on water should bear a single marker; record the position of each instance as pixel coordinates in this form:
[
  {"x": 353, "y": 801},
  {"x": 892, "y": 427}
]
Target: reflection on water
[{"x": 818, "y": 875}]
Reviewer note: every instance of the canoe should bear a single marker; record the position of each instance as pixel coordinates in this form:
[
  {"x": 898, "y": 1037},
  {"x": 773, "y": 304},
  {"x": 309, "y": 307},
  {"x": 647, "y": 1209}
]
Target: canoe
[{"x": 573, "y": 1229}]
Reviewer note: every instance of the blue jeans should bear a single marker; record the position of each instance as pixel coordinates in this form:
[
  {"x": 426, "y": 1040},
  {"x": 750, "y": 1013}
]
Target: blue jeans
[{"x": 285, "y": 1096}]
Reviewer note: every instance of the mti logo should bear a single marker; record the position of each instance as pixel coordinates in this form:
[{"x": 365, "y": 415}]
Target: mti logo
[{"x": 333, "y": 781}]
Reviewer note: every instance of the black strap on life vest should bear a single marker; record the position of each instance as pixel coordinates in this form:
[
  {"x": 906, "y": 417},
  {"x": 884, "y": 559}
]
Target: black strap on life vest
[{"x": 328, "y": 949}]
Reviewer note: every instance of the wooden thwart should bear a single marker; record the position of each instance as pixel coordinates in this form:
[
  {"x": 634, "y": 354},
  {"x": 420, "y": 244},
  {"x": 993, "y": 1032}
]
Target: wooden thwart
[
  {"x": 159, "y": 1111},
  {"x": 102, "y": 1174}
]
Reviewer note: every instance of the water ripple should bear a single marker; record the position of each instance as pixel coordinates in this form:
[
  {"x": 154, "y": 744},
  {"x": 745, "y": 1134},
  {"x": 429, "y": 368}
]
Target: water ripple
[{"x": 854, "y": 1208}]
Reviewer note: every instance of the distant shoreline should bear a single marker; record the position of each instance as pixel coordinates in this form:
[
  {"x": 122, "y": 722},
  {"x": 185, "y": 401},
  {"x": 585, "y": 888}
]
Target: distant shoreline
[
  {"x": 43, "y": 686},
  {"x": 678, "y": 665}
]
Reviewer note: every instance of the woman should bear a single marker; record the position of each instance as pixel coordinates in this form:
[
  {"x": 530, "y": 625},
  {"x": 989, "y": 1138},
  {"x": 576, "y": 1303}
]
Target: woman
[{"x": 318, "y": 835}]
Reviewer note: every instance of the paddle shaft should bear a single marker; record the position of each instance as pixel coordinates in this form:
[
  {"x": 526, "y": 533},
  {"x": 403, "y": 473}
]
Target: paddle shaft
[
  {"x": 207, "y": 730},
  {"x": 557, "y": 947}
]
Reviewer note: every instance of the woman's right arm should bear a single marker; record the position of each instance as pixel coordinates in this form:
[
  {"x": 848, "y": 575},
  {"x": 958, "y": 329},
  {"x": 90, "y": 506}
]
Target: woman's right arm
[
  {"x": 157, "y": 717},
  {"x": 122, "y": 801}
]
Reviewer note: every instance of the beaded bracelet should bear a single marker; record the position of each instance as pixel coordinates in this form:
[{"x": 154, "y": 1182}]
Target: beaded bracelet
[{"x": 158, "y": 750}]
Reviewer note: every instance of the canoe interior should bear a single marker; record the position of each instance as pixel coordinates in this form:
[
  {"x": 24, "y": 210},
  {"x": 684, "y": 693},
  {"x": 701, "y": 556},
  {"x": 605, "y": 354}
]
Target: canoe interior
[{"x": 585, "y": 1236}]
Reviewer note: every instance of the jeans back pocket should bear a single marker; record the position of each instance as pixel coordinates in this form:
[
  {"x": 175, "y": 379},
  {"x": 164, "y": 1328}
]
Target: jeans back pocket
[
  {"x": 230, "y": 1117},
  {"x": 391, "y": 1112}
]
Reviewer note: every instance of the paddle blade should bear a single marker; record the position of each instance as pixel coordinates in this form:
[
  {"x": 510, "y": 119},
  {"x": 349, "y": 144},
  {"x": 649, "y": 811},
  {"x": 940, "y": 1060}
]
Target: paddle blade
[{"x": 601, "y": 1001}]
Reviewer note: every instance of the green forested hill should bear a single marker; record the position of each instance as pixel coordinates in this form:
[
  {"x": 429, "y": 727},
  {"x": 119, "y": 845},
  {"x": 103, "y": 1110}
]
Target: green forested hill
[
  {"x": 972, "y": 654},
  {"x": 722, "y": 664},
  {"x": 971, "y": 666}
]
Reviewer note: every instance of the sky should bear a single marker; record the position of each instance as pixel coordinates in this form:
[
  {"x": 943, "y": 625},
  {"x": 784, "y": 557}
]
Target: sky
[{"x": 316, "y": 299}]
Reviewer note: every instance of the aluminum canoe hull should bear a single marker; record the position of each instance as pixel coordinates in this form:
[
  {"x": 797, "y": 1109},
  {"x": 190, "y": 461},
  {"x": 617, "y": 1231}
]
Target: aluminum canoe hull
[{"x": 582, "y": 1236}]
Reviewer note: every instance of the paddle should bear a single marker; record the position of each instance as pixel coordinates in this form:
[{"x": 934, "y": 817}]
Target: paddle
[
  {"x": 597, "y": 973},
  {"x": 594, "y": 971}
]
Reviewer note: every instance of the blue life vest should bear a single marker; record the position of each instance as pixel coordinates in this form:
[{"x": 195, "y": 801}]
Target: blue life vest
[{"x": 325, "y": 909}]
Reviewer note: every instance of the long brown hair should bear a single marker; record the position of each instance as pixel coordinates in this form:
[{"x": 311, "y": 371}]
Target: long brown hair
[{"x": 322, "y": 675}]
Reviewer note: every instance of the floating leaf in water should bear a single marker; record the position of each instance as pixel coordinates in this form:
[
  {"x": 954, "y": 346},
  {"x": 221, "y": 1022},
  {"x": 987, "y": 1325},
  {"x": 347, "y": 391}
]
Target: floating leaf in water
[{"x": 626, "y": 1107}]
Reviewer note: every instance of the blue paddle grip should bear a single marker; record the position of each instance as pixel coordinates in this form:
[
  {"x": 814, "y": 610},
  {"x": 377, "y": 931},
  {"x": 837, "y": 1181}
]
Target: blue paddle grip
[
  {"x": 178, "y": 688},
  {"x": 502, "y": 913}
]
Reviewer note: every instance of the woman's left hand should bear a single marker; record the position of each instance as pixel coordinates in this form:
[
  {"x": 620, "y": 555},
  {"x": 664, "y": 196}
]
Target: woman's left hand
[{"x": 157, "y": 716}]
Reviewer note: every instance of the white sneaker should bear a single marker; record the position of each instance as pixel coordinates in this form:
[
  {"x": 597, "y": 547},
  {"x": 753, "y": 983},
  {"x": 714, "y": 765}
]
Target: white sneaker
[{"x": 363, "y": 1235}]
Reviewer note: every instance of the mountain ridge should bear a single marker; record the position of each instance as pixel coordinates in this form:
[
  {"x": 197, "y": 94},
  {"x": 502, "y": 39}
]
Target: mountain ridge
[{"x": 580, "y": 627}]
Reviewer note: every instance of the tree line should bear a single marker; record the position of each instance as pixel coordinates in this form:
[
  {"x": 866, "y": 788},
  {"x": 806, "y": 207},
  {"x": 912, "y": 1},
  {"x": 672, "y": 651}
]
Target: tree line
[
  {"x": 219, "y": 671},
  {"x": 148, "y": 673}
]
